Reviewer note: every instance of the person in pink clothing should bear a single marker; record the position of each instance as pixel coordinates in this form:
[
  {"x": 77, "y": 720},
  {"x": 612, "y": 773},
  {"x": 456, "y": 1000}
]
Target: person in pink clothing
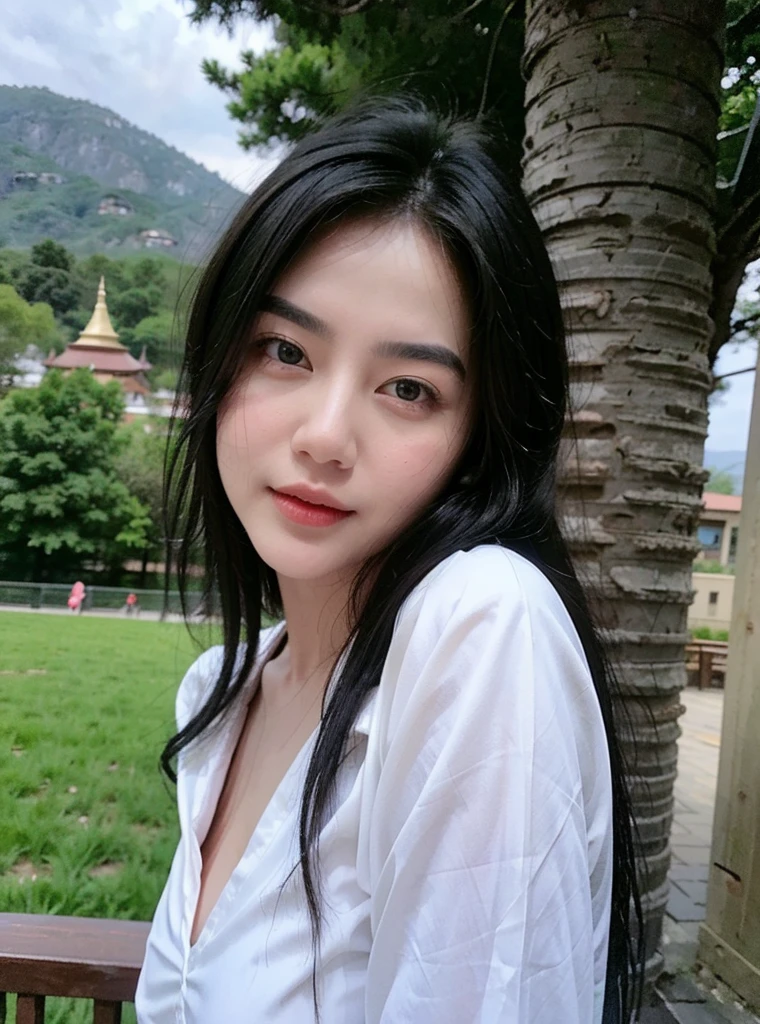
[{"x": 76, "y": 597}]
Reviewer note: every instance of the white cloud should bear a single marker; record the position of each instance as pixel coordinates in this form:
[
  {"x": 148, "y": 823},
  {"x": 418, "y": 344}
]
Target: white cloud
[{"x": 140, "y": 58}]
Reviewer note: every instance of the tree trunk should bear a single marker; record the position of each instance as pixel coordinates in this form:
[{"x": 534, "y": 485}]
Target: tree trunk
[{"x": 621, "y": 118}]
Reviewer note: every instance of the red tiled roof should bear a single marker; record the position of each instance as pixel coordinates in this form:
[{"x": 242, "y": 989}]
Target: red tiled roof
[
  {"x": 721, "y": 502},
  {"x": 102, "y": 360},
  {"x": 133, "y": 385}
]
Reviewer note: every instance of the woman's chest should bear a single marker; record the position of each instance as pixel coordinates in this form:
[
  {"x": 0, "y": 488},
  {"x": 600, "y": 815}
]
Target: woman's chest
[
  {"x": 257, "y": 939},
  {"x": 264, "y": 757}
]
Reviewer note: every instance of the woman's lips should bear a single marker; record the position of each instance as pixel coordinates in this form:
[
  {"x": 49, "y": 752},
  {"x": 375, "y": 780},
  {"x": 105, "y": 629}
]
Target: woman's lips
[{"x": 304, "y": 513}]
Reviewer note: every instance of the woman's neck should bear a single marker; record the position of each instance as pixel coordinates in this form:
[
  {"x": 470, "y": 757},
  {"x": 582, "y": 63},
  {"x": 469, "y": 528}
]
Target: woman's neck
[{"x": 316, "y": 615}]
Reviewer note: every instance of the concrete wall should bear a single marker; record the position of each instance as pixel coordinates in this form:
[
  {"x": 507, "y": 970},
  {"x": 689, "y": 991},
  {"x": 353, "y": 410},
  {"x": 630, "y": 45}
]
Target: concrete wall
[
  {"x": 715, "y": 614},
  {"x": 726, "y": 522}
]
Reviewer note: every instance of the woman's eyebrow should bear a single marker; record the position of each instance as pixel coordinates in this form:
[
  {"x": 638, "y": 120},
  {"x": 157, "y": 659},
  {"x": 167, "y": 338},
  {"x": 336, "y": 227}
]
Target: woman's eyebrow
[
  {"x": 418, "y": 351},
  {"x": 296, "y": 315},
  {"x": 425, "y": 352}
]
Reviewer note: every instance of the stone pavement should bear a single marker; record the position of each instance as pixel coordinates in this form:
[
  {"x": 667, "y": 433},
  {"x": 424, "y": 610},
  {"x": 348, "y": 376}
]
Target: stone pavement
[
  {"x": 103, "y": 613},
  {"x": 693, "y": 996}
]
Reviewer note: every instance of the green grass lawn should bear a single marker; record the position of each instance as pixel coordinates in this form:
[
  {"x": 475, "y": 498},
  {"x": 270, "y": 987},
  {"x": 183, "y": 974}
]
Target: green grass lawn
[{"x": 87, "y": 822}]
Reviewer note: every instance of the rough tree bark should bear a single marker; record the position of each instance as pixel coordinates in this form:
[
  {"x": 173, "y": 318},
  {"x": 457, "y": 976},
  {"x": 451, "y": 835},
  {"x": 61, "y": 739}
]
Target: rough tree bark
[{"x": 622, "y": 110}]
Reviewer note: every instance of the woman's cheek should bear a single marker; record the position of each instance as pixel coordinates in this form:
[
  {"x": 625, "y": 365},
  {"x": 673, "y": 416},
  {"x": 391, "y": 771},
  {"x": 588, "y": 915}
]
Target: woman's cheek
[{"x": 419, "y": 469}]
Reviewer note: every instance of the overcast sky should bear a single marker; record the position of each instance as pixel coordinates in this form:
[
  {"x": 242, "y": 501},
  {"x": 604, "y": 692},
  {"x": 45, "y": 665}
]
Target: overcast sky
[
  {"x": 730, "y": 410},
  {"x": 141, "y": 58}
]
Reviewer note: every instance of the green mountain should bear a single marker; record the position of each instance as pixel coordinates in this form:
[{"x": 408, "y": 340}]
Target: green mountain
[{"x": 79, "y": 173}]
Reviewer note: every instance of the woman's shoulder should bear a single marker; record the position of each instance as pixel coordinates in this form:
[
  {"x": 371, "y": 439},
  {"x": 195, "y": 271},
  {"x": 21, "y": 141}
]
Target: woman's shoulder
[
  {"x": 484, "y": 577},
  {"x": 201, "y": 676},
  {"x": 484, "y": 641},
  {"x": 483, "y": 612}
]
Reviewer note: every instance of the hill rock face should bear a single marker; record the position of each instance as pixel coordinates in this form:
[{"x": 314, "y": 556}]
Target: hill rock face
[{"x": 81, "y": 174}]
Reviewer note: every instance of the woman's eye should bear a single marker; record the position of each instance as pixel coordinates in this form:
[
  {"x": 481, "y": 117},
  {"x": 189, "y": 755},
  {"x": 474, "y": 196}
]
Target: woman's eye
[
  {"x": 288, "y": 353},
  {"x": 413, "y": 392},
  {"x": 279, "y": 350}
]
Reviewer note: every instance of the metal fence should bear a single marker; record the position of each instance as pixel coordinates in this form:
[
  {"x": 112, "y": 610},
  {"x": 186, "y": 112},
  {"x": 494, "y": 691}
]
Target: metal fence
[{"x": 55, "y": 595}]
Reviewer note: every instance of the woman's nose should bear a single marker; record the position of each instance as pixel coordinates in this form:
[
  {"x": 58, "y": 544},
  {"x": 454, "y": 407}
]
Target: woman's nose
[{"x": 325, "y": 430}]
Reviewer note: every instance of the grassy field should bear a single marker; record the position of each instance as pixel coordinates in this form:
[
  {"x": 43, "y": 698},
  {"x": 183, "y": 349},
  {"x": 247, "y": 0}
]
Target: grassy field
[{"x": 88, "y": 825}]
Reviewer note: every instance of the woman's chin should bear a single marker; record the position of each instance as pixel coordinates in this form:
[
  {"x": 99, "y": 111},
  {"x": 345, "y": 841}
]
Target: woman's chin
[{"x": 296, "y": 560}]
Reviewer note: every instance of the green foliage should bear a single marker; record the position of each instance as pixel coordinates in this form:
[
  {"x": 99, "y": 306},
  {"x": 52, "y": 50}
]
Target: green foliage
[
  {"x": 709, "y": 565},
  {"x": 48, "y": 284},
  {"x": 48, "y": 253},
  {"x": 155, "y": 334},
  {"x": 747, "y": 324},
  {"x": 467, "y": 57},
  {"x": 131, "y": 306},
  {"x": 86, "y": 705},
  {"x": 322, "y": 61},
  {"x": 28, "y": 113},
  {"x": 705, "y": 633},
  {"x": 719, "y": 482},
  {"x": 147, "y": 296},
  {"x": 738, "y": 140},
  {"x": 61, "y": 500},
  {"x": 140, "y": 465},
  {"x": 41, "y": 131},
  {"x": 164, "y": 380},
  {"x": 22, "y": 324},
  {"x": 46, "y": 277}
]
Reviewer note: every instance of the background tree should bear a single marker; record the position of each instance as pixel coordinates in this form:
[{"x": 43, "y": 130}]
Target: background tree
[
  {"x": 62, "y": 503},
  {"x": 21, "y": 324},
  {"x": 47, "y": 277},
  {"x": 132, "y": 305},
  {"x": 156, "y": 334},
  {"x": 620, "y": 169},
  {"x": 48, "y": 253},
  {"x": 737, "y": 216},
  {"x": 148, "y": 297},
  {"x": 719, "y": 482},
  {"x": 462, "y": 53},
  {"x": 140, "y": 466},
  {"x": 469, "y": 54}
]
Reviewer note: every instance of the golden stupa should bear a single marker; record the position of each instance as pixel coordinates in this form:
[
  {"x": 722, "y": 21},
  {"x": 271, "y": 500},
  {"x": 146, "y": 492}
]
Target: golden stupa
[
  {"x": 99, "y": 331},
  {"x": 98, "y": 348}
]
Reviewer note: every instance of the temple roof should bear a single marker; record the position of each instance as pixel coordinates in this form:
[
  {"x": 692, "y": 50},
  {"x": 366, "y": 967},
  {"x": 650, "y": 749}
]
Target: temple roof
[
  {"x": 98, "y": 349},
  {"x": 99, "y": 332},
  {"x": 133, "y": 384},
  {"x": 115, "y": 361}
]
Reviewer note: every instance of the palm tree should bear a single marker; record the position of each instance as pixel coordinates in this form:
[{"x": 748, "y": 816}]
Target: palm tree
[{"x": 622, "y": 107}]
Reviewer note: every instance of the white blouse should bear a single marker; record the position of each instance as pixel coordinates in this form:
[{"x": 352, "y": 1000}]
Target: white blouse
[{"x": 467, "y": 863}]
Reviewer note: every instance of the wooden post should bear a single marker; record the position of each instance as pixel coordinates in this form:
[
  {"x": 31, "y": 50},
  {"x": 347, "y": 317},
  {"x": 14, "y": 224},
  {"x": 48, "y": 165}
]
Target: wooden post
[
  {"x": 705, "y": 669},
  {"x": 729, "y": 938},
  {"x": 30, "y": 1009}
]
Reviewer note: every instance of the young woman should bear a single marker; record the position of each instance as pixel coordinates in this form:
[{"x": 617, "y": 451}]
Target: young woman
[{"x": 404, "y": 802}]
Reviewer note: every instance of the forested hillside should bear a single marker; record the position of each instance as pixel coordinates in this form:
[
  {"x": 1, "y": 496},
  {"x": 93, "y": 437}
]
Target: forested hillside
[{"x": 78, "y": 173}]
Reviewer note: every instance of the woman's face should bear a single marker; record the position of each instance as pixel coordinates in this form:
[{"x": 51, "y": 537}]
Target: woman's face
[{"x": 353, "y": 393}]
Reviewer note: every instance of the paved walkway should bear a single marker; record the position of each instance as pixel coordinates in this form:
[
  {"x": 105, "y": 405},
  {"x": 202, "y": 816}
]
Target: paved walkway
[
  {"x": 103, "y": 613},
  {"x": 690, "y": 996}
]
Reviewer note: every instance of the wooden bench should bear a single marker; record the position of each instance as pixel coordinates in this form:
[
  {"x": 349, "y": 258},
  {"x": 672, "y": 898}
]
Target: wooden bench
[
  {"x": 706, "y": 659},
  {"x": 81, "y": 957}
]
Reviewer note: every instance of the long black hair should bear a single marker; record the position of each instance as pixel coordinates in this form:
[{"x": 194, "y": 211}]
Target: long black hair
[{"x": 389, "y": 159}]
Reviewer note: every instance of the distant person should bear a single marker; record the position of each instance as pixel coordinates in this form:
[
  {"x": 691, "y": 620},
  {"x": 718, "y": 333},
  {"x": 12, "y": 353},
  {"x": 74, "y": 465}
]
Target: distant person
[
  {"x": 404, "y": 801},
  {"x": 76, "y": 597},
  {"x": 131, "y": 604}
]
